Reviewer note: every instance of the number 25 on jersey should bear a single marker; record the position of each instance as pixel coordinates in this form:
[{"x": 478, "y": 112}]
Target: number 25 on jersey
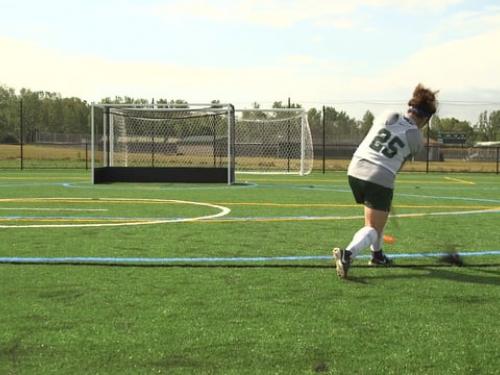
[{"x": 386, "y": 144}]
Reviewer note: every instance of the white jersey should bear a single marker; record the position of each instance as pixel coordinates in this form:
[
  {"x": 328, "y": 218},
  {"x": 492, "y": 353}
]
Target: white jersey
[{"x": 390, "y": 142}]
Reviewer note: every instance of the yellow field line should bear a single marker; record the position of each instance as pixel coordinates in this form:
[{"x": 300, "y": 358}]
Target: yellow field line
[
  {"x": 306, "y": 181},
  {"x": 44, "y": 178},
  {"x": 331, "y": 205},
  {"x": 460, "y": 180},
  {"x": 62, "y": 220},
  {"x": 88, "y": 200},
  {"x": 286, "y": 204},
  {"x": 281, "y": 219},
  {"x": 262, "y": 204}
]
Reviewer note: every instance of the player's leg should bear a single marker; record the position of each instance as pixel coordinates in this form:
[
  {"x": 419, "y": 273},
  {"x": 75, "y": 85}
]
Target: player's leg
[
  {"x": 377, "y": 202},
  {"x": 377, "y": 219},
  {"x": 363, "y": 238}
]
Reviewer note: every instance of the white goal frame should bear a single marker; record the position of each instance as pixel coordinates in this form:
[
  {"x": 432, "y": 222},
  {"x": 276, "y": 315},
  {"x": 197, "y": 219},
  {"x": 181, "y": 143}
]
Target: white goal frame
[
  {"x": 302, "y": 163},
  {"x": 105, "y": 168}
]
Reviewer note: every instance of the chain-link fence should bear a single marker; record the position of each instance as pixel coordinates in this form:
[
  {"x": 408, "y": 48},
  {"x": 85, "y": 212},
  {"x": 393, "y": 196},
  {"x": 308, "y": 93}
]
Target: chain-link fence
[
  {"x": 27, "y": 143},
  {"x": 463, "y": 137}
]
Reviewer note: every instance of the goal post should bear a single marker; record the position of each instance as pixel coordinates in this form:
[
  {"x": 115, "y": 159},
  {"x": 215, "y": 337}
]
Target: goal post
[{"x": 161, "y": 143}]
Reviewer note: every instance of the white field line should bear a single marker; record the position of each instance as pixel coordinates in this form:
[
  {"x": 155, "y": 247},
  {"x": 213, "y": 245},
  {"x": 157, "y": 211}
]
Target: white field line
[
  {"x": 353, "y": 217},
  {"x": 460, "y": 180},
  {"x": 222, "y": 212}
]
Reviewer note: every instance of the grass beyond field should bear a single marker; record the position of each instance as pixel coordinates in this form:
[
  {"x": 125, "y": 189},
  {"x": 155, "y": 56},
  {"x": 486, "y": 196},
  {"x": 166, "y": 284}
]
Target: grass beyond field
[{"x": 286, "y": 315}]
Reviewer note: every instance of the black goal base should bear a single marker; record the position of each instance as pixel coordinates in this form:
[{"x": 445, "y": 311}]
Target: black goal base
[{"x": 149, "y": 174}]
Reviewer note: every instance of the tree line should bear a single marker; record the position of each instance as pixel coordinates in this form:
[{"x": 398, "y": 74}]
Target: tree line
[{"x": 49, "y": 112}]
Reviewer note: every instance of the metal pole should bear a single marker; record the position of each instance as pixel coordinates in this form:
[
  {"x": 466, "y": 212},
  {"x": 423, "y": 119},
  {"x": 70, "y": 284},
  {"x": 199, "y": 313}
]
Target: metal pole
[
  {"x": 303, "y": 123},
  {"x": 214, "y": 141},
  {"x": 153, "y": 147},
  {"x": 231, "y": 149},
  {"x": 498, "y": 158},
  {"x": 92, "y": 140},
  {"x": 21, "y": 132},
  {"x": 324, "y": 138},
  {"x": 107, "y": 135},
  {"x": 428, "y": 146},
  {"x": 288, "y": 140}
]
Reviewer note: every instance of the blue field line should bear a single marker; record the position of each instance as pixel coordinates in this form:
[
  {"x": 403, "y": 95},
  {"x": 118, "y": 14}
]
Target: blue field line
[{"x": 110, "y": 260}]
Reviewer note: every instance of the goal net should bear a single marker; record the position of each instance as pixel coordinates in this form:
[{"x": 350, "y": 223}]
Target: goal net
[
  {"x": 273, "y": 141},
  {"x": 196, "y": 143},
  {"x": 147, "y": 143}
]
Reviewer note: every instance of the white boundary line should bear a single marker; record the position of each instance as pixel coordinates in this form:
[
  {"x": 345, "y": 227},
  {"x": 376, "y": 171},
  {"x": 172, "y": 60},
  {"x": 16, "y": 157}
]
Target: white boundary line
[{"x": 223, "y": 211}]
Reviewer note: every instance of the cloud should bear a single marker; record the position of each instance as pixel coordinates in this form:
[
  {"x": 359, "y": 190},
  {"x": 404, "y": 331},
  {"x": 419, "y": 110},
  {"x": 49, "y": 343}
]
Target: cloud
[
  {"x": 465, "y": 24},
  {"x": 464, "y": 68},
  {"x": 287, "y": 13},
  {"x": 414, "y": 5},
  {"x": 269, "y": 13},
  {"x": 94, "y": 78},
  {"x": 459, "y": 65}
]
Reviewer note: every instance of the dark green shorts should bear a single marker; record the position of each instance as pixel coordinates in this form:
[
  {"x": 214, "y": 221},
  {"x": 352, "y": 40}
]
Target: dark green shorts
[{"x": 371, "y": 195}]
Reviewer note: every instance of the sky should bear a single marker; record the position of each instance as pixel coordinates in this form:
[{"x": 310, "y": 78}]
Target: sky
[{"x": 312, "y": 51}]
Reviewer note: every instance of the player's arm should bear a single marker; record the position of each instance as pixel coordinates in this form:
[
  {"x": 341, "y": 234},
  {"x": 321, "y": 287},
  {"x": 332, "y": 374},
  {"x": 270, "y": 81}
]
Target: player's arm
[{"x": 415, "y": 141}]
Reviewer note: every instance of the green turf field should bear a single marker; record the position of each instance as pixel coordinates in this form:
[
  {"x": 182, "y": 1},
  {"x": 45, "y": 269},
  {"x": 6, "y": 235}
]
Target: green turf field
[{"x": 179, "y": 305}]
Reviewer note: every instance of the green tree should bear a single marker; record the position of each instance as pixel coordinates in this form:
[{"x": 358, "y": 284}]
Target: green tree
[
  {"x": 494, "y": 121},
  {"x": 453, "y": 125},
  {"x": 340, "y": 128},
  {"x": 315, "y": 124},
  {"x": 9, "y": 115},
  {"x": 366, "y": 123},
  {"x": 32, "y": 113}
]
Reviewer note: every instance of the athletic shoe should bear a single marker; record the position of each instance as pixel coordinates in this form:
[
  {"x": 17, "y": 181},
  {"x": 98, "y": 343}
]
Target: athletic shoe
[
  {"x": 342, "y": 261},
  {"x": 379, "y": 259}
]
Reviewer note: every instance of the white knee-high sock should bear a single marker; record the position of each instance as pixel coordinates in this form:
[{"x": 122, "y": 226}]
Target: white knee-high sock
[
  {"x": 363, "y": 238},
  {"x": 377, "y": 245}
]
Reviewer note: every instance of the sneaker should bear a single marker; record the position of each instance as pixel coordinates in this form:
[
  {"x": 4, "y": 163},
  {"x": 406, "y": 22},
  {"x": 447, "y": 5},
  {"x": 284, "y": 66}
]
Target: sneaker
[
  {"x": 342, "y": 261},
  {"x": 379, "y": 259}
]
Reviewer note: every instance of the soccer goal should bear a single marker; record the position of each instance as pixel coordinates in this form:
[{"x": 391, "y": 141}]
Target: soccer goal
[
  {"x": 276, "y": 141},
  {"x": 158, "y": 143}
]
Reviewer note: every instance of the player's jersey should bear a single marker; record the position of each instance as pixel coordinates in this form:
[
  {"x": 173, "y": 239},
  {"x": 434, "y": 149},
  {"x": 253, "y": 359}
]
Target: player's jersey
[{"x": 389, "y": 142}]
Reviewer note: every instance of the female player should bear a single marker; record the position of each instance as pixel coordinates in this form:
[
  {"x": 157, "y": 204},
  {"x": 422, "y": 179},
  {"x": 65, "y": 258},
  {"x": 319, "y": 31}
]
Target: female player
[{"x": 372, "y": 173}]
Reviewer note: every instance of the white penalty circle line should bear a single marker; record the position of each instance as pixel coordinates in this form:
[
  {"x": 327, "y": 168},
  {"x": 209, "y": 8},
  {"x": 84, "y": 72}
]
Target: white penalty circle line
[
  {"x": 223, "y": 211},
  {"x": 212, "y": 218}
]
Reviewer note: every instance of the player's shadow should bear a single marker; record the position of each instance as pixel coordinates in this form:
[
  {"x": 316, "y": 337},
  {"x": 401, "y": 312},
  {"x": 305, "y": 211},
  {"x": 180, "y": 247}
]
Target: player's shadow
[{"x": 442, "y": 272}]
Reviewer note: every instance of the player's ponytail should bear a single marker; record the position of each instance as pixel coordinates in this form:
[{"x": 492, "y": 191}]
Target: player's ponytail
[{"x": 423, "y": 103}]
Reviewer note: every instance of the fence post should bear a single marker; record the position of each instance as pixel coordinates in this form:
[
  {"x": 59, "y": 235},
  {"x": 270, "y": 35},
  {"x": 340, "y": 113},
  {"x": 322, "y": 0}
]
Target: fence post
[
  {"x": 86, "y": 155},
  {"x": 428, "y": 147},
  {"x": 21, "y": 135},
  {"x": 498, "y": 158},
  {"x": 288, "y": 146},
  {"x": 324, "y": 139}
]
